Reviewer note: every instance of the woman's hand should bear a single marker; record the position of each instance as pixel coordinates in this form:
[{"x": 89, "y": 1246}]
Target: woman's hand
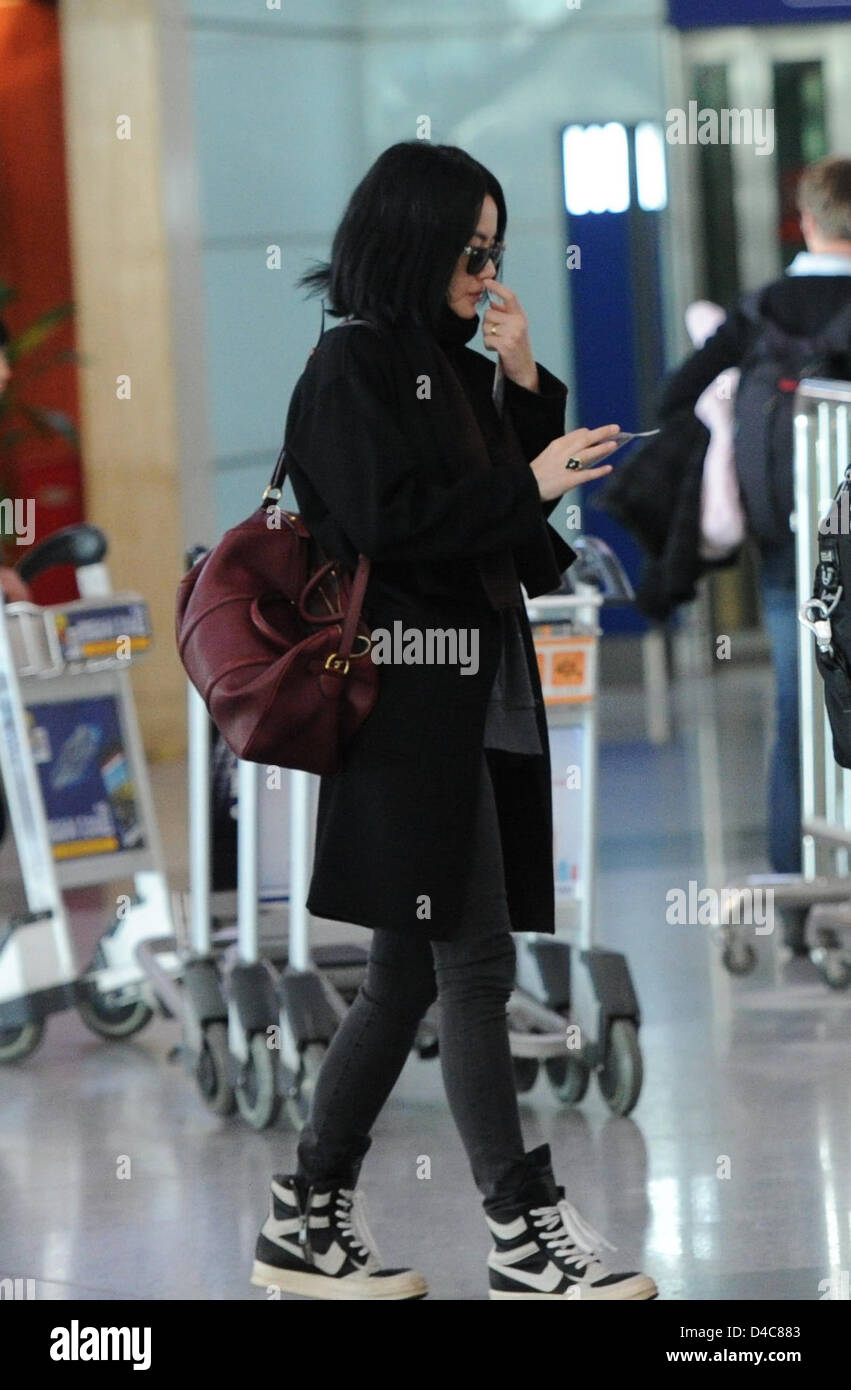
[
  {"x": 555, "y": 479},
  {"x": 505, "y": 329}
]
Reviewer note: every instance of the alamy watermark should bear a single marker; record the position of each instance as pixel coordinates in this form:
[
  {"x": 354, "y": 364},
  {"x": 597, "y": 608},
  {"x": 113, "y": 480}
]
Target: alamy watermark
[
  {"x": 83, "y": 1343},
  {"x": 837, "y": 519},
  {"x": 17, "y": 518},
  {"x": 429, "y": 646},
  {"x": 748, "y": 125},
  {"x": 709, "y": 907},
  {"x": 17, "y": 1288}
]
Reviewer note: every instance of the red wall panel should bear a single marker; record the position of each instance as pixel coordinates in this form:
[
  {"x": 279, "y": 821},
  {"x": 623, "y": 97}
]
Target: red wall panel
[{"x": 35, "y": 255}]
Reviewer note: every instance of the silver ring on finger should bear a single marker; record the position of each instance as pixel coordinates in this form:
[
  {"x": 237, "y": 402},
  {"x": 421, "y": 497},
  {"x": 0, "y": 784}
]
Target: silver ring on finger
[{"x": 575, "y": 464}]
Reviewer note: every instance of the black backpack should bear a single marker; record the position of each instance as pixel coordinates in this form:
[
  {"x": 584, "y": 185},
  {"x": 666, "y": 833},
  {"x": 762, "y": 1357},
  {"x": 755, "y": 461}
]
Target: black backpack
[
  {"x": 764, "y": 410},
  {"x": 829, "y": 617}
]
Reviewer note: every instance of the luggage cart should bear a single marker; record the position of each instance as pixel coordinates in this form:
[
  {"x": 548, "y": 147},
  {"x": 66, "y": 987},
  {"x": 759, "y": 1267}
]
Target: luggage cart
[
  {"x": 820, "y": 897},
  {"x": 258, "y": 1004},
  {"x": 574, "y": 1009},
  {"x": 79, "y": 799}
]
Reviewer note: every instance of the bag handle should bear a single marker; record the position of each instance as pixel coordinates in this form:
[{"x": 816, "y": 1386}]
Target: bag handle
[
  {"x": 353, "y": 612},
  {"x": 315, "y": 582}
]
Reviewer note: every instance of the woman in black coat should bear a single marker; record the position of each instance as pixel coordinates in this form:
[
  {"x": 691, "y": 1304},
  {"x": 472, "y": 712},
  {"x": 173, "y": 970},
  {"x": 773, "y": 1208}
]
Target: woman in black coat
[{"x": 437, "y": 830}]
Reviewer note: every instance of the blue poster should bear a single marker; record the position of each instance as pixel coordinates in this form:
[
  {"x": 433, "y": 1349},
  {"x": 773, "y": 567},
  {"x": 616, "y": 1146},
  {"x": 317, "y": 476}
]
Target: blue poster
[
  {"x": 713, "y": 14},
  {"x": 85, "y": 777}
]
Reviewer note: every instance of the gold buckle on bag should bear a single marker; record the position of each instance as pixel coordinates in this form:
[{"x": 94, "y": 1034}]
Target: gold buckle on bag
[{"x": 334, "y": 662}]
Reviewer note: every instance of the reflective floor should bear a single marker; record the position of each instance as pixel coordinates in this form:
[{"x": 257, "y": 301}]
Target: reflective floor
[{"x": 732, "y": 1179}]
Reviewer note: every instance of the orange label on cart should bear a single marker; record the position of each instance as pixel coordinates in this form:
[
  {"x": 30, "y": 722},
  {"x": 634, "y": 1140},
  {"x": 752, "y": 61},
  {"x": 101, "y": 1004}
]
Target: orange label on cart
[
  {"x": 567, "y": 668},
  {"x": 73, "y": 849},
  {"x": 135, "y": 644}
]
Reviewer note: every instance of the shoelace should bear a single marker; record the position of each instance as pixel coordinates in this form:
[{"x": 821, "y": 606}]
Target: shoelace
[
  {"x": 568, "y": 1233},
  {"x": 351, "y": 1219}
]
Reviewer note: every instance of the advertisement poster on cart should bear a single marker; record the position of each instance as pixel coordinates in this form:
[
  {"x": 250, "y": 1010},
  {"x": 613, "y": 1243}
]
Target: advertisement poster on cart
[{"x": 86, "y": 779}]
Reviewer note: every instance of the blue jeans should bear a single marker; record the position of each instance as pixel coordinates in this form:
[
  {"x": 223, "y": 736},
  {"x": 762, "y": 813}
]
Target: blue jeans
[{"x": 780, "y": 611}]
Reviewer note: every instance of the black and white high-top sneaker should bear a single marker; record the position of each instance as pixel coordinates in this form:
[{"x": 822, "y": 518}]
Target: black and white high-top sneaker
[
  {"x": 544, "y": 1249},
  {"x": 315, "y": 1241}
]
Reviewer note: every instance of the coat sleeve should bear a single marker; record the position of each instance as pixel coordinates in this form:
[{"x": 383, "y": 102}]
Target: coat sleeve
[
  {"x": 687, "y": 383},
  {"x": 347, "y": 441},
  {"x": 537, "y": 416}
]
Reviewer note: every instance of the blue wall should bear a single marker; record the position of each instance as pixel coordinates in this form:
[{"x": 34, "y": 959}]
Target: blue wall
[{"x": 709, "y": 14}]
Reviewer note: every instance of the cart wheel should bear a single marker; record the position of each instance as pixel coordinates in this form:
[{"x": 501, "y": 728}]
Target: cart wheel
[
  {"x": 300, "y": 1091},
  {"x": 568, "y": 1078},
  {"x": 621, "y": 1074},
  {"x": 835, "y": 970},
  {"x": 212, "y": 1071},
  {"x": 105, "y": 1015},
  {"x": 257, "y": 1087},
  {"x": 739, "y": 958},
  {"x": 525, "y": 1073},
  {"x": 16, "y": 1043},
  {"x": 113, "y": 1020}
]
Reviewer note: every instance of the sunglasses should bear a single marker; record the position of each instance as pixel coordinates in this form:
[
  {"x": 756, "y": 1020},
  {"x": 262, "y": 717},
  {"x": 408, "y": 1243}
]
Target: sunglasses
[{"x": 478, "y": 257}]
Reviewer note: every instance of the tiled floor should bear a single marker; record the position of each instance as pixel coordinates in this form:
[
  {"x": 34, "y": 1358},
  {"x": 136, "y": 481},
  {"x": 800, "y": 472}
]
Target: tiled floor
[{"x": 745, "y": 1077}]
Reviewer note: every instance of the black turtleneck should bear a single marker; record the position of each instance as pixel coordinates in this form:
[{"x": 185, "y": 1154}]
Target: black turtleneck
[
  {"x": 453, "y": 330},
  {"x": 453, "y": 334}
]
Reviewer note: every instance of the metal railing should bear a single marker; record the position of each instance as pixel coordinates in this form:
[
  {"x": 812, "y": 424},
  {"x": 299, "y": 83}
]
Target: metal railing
[
  {"x": 822, "y": 453},
  {"x": 822, "y": 439}
]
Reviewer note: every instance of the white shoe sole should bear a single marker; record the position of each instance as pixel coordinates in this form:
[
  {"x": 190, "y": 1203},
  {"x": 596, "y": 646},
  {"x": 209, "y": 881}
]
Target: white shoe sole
[
  {"x": 391, "y": 1286},
  {"x": 633, "y": 1290}
]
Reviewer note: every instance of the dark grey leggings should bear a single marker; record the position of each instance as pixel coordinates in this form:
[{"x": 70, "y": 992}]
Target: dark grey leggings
[{"x": 472, "y": 976}]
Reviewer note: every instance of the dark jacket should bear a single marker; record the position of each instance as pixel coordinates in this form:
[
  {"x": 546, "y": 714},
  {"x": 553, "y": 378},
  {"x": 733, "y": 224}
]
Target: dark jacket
[
  {"x": 379, "y": 468},
  {"x": 656, "y": 494},
  {"x": 801, "y": 305}
]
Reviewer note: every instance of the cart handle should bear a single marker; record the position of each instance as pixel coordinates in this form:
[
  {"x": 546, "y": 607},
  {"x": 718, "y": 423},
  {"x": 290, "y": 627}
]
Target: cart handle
[{"x": 78, "y": 545}]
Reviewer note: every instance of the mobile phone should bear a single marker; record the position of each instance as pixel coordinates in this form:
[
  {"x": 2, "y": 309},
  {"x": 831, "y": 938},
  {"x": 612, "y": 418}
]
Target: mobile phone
[{"x": 625, "y": 438}]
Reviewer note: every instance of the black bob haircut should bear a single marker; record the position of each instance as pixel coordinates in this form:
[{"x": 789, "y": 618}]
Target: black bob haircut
[{"x": 404, "y": 228}]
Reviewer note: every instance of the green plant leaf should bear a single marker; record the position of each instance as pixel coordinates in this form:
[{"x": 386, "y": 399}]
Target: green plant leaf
[
  {"x": 31, "y": 370},
  {"x": 48, "y": 421},
  {"x": 39, "y": 330}
]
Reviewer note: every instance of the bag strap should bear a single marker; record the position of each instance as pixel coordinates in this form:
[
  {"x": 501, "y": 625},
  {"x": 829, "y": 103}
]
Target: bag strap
[
  {"x": 835, "y": 337},
  {"x": 837, "y": 331},
  {"x": 273, "y": 494},
  {"x": 274, "y": 491}
]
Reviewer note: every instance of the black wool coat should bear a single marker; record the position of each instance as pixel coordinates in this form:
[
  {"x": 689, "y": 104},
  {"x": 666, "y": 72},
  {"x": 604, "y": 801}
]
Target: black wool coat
[{"x": 383, "y": 466}]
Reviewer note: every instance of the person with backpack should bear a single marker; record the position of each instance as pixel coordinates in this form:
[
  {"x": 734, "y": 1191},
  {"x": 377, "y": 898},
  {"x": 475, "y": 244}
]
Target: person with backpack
[{"x": 797, "y": 326}]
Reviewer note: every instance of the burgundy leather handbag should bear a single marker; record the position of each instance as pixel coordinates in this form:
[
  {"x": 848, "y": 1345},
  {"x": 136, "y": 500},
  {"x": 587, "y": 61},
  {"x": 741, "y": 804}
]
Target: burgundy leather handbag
[{"x": 271, "y": 634}]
